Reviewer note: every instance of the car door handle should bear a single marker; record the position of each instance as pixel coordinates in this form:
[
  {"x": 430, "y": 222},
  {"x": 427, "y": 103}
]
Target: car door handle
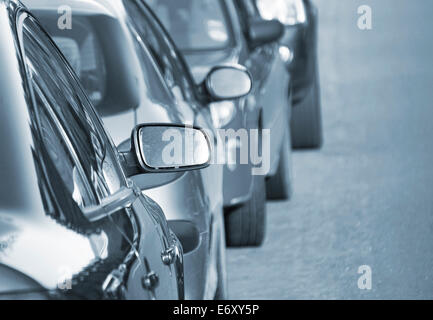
[
  {"x": 150, "y": 281},
  {"x": 169, "y": 255},
  {"x": 172, "y": 254}
]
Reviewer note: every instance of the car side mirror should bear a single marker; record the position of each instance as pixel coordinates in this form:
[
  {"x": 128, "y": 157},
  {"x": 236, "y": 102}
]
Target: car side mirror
[
  {"x": 228, "y": 83},
  {"x": 262, "y": 32},
  {"x": 158, "y": 148}
]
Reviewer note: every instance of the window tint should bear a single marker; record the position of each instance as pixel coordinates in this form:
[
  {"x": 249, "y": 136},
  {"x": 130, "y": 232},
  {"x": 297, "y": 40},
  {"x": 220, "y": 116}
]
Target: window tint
[
  {"x": 82, "y": 49},
  {"x": 250, "y": 8},
  {"x": 247, "y": 12},
  {"x": 67, "y": 125},
  {"x": 175, "y": 74},
  {"x": 97, "y": 48},
  {"x": 194, "y": 24},
  {"x": 87, "y": 60}
]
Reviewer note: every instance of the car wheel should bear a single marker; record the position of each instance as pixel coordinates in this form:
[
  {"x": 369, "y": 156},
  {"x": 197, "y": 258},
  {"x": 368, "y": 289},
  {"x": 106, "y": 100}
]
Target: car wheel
[
  {"x": 279, "y": 186},
  {"x": 245, "y": 225},
  {"x": 306, "y": 122},
  {"x": 222, "y": 286}
]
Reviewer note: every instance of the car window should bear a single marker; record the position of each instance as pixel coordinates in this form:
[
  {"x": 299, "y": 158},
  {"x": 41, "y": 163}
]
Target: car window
[
  {"x": 69, "y": 130},
  {"x": 247, "y": 12},
  {"x": 250, "y": 8},
  {"x": 194, "y": 24},
  {"x": 175, "y": 73},
  {"x": 86, "y": 58},
  {"x": 100, "y": 53},
  {"x": 96, "y": 50}
]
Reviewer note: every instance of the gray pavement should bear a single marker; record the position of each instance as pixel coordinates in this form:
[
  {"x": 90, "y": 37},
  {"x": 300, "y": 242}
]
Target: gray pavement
[{"x": 367, "y": 197}]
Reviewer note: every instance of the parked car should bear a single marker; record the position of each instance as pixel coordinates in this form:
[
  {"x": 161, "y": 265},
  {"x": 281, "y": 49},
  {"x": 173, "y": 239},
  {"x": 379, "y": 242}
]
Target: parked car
[
  {"x": 134, "y": 74},
  {"x": 72, "y": 223},
  {"x": 300, "y": 44},
  {"x": 219, "y": 32}
]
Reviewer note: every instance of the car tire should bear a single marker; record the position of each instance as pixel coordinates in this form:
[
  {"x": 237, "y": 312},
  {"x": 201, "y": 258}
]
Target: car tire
[
  {"x": 246, "y": 224},
  {"x": 306, "y": 121},
  {"x": 222, "y": 285},
  {"x": 280, "y": 186}
]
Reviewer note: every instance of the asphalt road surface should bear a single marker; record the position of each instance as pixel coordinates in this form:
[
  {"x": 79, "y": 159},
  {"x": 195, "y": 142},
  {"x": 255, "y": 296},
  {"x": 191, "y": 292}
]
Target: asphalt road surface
[{"x": 367, "y": 197}]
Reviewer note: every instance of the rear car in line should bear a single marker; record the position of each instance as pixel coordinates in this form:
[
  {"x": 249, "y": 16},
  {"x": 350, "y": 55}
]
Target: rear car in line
[{"x": 299, "y": 43}]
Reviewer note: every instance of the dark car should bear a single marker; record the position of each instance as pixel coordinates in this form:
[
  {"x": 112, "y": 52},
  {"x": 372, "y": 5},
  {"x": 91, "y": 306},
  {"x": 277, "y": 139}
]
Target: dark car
[
  {"x": 72, "y": 224},
  {"x": 134, "y": 74},
  {"x": 214, "y": 32},
  {"x": 300, "y": 43}
]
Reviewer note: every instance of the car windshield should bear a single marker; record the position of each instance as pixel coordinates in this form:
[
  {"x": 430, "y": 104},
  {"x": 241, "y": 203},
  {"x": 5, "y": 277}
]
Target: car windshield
[{"x": 194, "y": 24}]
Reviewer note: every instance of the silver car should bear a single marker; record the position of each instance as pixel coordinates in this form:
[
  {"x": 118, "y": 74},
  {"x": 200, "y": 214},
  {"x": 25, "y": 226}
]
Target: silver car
[
  {"x": 214, "y": 32},
  {"x": 133, "y": 74},
  {"x": 300, "y": 18},
  {"x": 72, "y": 225}
]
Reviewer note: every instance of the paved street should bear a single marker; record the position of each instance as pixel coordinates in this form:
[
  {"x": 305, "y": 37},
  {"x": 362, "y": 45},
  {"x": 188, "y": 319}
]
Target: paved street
[{"x": 367, "y": 197}]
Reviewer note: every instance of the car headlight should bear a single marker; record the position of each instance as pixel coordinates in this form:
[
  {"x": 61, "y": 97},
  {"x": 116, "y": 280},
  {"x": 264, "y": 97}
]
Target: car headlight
[
  {"x": 222, "y": 113},
  {"x": 288, "y": 12}
]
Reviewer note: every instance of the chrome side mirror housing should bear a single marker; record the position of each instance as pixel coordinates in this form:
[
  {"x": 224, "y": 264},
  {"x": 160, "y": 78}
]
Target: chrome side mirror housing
[
  {"x": 228, "y": 82},
  {"x": 163, "y": 148}
]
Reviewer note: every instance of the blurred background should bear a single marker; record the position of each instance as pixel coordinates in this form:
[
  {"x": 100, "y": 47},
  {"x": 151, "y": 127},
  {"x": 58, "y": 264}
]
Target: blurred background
[{"x": 367, "y": 197}]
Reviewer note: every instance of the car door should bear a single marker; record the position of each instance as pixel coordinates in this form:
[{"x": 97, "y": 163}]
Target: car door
[
  {"x": 259, "y": 59},
  {"x": 180, "y": 85},
  {"x": 143, "y": 259},
  {"x": 272, "y": 82},
  {"x": 169, "y": 63}
]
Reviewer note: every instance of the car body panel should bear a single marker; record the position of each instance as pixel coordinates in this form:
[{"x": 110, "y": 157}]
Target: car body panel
[
  {"x": 51, "y": 244},
  {"x": 302, "y": 39},
  {"x": 194, "y": 197},
  {"x": 266, "y": 103}
]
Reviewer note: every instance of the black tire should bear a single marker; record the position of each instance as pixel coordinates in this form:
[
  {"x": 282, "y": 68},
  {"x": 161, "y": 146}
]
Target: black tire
[
  {"x": 279, "y": 186},
  {"x": 246, "y": 225},
  {"x": 306, "y": 121},
  {"x": 222, "y": 286}
]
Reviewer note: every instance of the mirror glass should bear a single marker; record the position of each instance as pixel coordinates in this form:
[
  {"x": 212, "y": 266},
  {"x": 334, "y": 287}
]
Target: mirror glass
[
  {"x": 225, "y": 83},
  {"x": 164, "y": 147}
]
